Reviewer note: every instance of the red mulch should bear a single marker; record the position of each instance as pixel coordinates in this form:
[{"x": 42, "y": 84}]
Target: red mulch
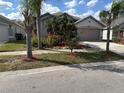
[
  {"x": 79, "y": 46},
  {"x": 33, "y": 59},
  {"x": 72, "y": 56}
]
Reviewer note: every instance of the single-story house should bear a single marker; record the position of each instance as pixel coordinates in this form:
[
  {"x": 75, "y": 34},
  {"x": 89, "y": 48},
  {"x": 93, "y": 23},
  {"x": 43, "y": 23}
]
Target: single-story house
[
  {"x": 9, "y": 29},
  {"x": 118, "y": 28},
  {"x": 88, "y": 29}
]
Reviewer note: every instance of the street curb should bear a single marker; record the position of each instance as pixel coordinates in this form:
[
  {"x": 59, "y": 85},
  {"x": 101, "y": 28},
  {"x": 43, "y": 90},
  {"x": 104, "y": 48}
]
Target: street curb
[{"x": 54, "y": 68}]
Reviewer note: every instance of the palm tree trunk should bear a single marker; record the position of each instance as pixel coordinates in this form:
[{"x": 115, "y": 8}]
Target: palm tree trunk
[
  {"x": 28, "y": 42},
  {"x": 38, "y": 31},
  {"x": 108, "y": 40},
  {"x": 108, "y": 33}
]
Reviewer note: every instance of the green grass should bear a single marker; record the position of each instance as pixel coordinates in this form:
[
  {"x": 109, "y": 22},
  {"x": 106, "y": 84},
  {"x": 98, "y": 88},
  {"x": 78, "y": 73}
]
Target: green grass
[
  {"x": 81, "y": 58},
  {"x": 13, "y": 46},
  {"x": 8, "y": 63}
]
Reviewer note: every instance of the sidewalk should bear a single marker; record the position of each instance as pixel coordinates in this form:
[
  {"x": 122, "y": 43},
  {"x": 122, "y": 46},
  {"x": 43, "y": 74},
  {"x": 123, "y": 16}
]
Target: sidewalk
[
  {"x": 25, "y": 52},
  {"x": 45, "y": 51}
]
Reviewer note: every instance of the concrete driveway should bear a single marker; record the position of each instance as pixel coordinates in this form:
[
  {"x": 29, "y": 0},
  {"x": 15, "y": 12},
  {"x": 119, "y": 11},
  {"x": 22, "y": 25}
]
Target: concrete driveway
[
  {"x": 116, "y": 48},
  {"x": 85, "y": 78}
]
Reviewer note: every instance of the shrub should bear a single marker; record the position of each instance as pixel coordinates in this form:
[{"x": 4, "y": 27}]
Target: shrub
[
  {"x": 50, "y": 41},
  {"x": 116, "y": 39}
]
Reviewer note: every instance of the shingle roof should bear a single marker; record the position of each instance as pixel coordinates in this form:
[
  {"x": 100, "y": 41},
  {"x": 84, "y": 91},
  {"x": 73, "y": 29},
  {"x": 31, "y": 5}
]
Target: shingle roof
[
  {"x": 10, "y": 21},
  {"x": 59, "y": 14},
  {"x": 92, "y": 18}
]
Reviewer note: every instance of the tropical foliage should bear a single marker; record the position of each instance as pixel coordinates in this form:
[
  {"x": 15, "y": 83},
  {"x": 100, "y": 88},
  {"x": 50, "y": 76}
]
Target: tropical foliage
[{"x": 64, "y": 27}]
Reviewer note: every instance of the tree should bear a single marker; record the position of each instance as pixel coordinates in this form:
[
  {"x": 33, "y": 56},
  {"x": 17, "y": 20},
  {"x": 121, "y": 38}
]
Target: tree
[
  {"x": 107, "y": 16},
  {"x": 117, "y": 8},
  {"x": 53, "y": 25},
  {"x": 64, "y": 26},
  {"x": 71, "y": 35},
  {"x": 72, "y": 43},
  {"x": 25, "y": 10},
  {"x": 36, "y": 10}
]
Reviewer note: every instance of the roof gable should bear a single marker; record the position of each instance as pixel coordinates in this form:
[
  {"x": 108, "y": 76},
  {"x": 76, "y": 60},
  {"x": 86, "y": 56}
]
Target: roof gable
[
  {"x": 92, "y": 18},
  {"x": 6, "y": 21},
  {"x": 47, "y": 15},
  {"x": 89, "y": 22},
  {"x": 69, "y": 16}
]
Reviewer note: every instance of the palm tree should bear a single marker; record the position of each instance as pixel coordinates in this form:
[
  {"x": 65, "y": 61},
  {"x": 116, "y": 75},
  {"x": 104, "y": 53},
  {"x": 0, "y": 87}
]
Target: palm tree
[
  {"x": 36, "y": 10},
  {"x": 117, "y": 8},
  {"x": 107, "y": 16},
  {"x": 25, "y": 10}
]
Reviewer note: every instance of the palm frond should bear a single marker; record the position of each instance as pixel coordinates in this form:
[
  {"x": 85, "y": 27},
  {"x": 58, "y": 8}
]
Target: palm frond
[{"x": 104, "y": 16}]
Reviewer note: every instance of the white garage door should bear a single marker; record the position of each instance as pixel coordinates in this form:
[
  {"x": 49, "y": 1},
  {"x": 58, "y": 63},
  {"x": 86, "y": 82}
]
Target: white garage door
[
  {"x": 89, "y": 34},
  {"x": 3, "y": 33}
]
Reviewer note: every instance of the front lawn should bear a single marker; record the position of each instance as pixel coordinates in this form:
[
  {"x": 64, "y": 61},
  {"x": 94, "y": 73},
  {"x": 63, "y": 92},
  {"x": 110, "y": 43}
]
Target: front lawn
[
  {"x": 13, "y": 46},
  {"x": 8, "y": 63}
]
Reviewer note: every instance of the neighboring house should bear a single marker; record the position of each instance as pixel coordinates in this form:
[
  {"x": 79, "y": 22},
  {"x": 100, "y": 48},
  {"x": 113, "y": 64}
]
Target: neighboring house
[
  {"x": 9, "y": 29},
  {"x": 118, "y": 28},
  {"x": 89, "y": 29}
]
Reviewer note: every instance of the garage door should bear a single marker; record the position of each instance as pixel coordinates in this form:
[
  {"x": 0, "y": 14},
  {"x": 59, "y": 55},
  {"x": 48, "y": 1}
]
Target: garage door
[
  {"x": 3, "y": 33},
  {"x": 89, "y": 34}
]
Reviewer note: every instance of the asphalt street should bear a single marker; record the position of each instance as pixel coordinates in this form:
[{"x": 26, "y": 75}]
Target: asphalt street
[{"x": 90, "y": 78}]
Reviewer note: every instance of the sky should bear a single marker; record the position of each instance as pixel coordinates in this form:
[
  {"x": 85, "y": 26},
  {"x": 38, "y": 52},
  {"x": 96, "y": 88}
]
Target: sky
[{"x": 79, "y": 8}]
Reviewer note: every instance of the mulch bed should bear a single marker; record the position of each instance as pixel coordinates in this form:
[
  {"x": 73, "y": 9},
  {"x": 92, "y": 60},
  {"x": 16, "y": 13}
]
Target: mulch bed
[{"x": 79, "y": 46}]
